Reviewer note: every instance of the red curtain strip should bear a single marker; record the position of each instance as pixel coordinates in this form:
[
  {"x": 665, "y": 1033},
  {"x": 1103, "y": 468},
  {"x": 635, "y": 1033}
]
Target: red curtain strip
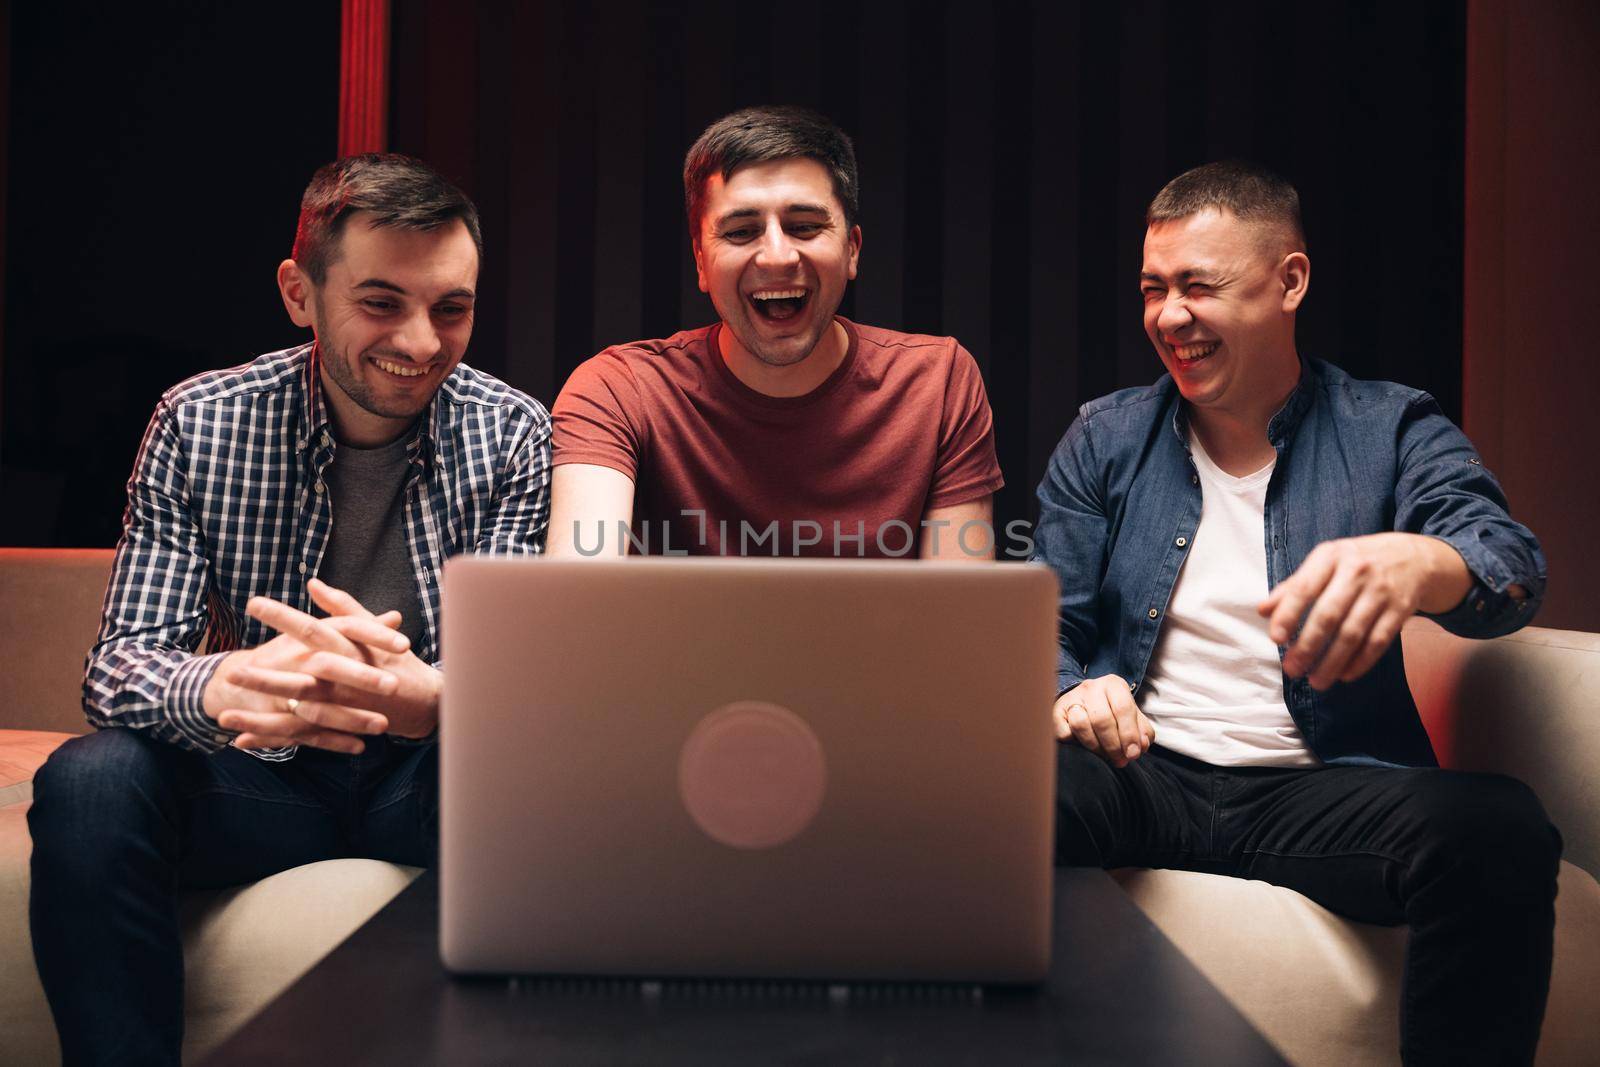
[{"x": 364, "y": 77}]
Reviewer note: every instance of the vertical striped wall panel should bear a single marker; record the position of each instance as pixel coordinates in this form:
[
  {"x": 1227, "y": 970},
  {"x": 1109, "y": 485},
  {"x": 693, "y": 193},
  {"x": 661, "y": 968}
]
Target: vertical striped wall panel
[{"x": 1007, "y": 152}]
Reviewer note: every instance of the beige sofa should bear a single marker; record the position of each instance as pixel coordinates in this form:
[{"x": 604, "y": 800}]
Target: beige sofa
[{"x": 1323, "y": 990}]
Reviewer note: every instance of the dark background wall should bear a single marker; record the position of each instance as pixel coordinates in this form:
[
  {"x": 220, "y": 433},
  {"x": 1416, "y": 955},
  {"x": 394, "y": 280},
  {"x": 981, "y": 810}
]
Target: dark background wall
[
  {"x": 155, "y": 161},
  {"x": 1007, "y": 153}
]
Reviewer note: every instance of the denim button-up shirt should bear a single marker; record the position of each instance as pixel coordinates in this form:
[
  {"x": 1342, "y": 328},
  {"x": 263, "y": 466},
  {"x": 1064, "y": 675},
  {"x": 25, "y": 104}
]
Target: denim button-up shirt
[{"x": 1120, "y": 503}]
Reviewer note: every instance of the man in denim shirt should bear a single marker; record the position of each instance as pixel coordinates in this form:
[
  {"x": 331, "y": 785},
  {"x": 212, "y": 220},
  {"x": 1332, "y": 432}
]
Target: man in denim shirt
[{"x": 1238, "y": 547}]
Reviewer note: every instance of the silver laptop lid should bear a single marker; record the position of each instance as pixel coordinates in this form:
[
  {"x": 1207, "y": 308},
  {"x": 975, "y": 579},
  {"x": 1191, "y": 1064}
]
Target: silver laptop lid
[{"x": 786, "y": 769}]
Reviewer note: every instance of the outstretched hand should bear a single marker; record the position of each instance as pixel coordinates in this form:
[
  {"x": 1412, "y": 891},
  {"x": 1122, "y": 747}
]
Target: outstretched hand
[{"x": 1354, "y": 595}]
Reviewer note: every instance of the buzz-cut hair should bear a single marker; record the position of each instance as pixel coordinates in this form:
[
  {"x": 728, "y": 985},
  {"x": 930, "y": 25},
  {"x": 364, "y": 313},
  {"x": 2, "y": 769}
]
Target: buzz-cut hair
[
  {"x": 762, "y": 135},
  {"x": 395, "y": 190},
  {"x": 1245, "y": 190}
]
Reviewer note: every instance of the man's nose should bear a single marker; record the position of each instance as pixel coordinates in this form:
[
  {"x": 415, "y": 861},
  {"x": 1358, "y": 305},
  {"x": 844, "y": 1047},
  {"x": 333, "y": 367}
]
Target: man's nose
[
  {"x": 776, "y": 249},
  {"x": 1174, "y": 315},
  {"x": 416, "y": 338}
]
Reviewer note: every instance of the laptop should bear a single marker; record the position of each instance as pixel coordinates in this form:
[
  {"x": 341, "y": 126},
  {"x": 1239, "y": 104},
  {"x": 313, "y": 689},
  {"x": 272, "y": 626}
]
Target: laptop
[{"x": 733, "y": 768}]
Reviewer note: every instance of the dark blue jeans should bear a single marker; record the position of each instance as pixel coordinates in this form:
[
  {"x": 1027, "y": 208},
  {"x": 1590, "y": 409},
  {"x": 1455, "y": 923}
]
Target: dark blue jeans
[
  {"x": 120, "y": 823},
  {"x": 1468, "y": 861}
]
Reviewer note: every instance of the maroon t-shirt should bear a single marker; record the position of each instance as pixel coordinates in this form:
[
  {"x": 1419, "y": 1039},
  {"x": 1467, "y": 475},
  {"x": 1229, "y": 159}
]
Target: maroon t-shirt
[{"x": 849, "y": 469}]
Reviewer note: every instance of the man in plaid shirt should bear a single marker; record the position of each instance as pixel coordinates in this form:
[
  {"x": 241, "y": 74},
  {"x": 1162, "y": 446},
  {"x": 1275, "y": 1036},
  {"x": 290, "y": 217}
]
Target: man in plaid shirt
[{"x": 253, "y": 717}]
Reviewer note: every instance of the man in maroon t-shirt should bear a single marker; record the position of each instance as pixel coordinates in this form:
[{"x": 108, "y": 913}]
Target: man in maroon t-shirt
[{"x": 783, "y": 429}]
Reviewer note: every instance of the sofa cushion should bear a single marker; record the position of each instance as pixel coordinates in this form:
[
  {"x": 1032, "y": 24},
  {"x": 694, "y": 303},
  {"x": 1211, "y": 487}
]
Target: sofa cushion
[
  {"x": 242, "y": 947},
  {"x": 52, "y": 599},
  {"x": 1521, "y": 705},
  {"x": 1300, "y": 973}
]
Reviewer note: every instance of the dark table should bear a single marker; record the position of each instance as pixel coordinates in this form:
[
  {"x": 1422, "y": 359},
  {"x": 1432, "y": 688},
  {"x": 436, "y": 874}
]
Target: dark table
[{"x": 1119, "y": 992}]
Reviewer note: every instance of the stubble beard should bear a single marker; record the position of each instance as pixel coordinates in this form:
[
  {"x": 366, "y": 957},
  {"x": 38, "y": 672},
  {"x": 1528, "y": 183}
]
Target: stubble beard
[
  {"x": 341, "y": 368},
  {"x": 791, "y": 352}
]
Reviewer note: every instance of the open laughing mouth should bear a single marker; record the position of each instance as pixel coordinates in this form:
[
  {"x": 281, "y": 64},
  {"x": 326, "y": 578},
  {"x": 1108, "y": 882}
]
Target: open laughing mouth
[
  {"x": 1188, "y": 355},
  {"x": 778, "y": 305}
]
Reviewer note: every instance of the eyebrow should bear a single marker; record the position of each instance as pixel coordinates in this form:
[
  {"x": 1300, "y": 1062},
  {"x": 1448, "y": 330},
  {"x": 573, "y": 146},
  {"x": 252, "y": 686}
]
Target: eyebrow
[
  {"x": 792, "y": 209},
  {"x": 378, "y": 283},
  {"x": 1205, "y": 277}
]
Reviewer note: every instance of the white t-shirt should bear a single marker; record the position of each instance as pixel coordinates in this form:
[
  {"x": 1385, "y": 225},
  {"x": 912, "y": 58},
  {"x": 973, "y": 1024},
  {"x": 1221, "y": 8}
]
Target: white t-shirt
[{"x": 1214, "y": 689}]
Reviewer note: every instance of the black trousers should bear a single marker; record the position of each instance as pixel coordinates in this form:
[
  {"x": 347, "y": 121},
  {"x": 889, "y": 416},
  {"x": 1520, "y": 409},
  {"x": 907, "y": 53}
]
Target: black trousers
[{"x": 1468, "y": 861}]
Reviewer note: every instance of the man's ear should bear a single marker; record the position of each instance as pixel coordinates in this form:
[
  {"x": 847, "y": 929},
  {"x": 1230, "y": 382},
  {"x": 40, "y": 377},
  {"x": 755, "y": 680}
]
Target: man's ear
[
  {"x": 853, "y": 246},
  {"x": 298, "y": 293},
  {"x": 1295, "y": 274},
  {"x": 699, "y": 264}
]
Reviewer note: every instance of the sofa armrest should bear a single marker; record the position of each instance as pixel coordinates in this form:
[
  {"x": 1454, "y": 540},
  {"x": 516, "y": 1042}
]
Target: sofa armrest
[
  {"x": 52, "y": 602},
  {"x": 1523, "y": 705}
]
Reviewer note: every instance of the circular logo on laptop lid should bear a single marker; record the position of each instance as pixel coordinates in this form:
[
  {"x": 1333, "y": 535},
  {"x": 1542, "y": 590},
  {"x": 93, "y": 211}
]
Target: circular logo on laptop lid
[{"x": 752, "y": 775}]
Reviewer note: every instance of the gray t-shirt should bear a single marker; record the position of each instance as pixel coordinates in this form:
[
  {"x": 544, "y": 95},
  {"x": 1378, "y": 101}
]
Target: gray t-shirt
[{"x": 367, "y": 555}]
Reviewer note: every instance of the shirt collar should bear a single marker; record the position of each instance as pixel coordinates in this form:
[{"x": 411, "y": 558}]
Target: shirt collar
[
  {"x": 1282, "y": 425},
  {"x": 315, "y": 422}
]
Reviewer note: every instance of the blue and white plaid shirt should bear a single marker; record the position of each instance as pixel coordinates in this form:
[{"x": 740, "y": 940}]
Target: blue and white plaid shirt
[{"x": 227, "y": 501}]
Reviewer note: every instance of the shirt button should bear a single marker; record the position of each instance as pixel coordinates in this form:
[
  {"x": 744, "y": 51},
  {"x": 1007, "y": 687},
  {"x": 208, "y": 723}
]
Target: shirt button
[
  {"x": 1195, "y": 479},
  {"x": 1180, "y": 542},
  {"x": 1132, "y": 686},
  {"x": 302, "y": 567},
  {"x": 319, "y": 488},
  {"x": 1154, "y": 613}
]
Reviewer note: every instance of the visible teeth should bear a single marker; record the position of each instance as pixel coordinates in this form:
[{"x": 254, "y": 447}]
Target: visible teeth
[
  {"x": 778, "y": 294},
  {"x": 401, "y": 369},
  {"x": 1195, "y": 351}
]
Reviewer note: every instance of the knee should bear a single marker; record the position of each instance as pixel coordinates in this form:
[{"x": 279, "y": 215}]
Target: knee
[
  {"x": 97, "y": 782},
  {"x": 1495, "y": 826}
]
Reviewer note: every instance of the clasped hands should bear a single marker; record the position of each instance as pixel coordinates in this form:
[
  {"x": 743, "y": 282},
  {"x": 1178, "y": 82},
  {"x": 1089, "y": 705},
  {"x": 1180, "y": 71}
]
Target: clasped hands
[
  {"x": 1343, "y": 607},
  {"x": 326, "y": 683}
]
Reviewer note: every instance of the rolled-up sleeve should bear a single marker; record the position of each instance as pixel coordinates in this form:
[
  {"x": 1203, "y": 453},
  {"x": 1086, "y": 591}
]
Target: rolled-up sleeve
[{"x": 1445, "y": 491}]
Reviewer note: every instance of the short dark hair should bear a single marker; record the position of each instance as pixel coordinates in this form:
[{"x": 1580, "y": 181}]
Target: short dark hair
[
  {"x": 764, "y": 134},
  {"x": 396, "y": 190},
  {"x": 1245, "y": 190}
]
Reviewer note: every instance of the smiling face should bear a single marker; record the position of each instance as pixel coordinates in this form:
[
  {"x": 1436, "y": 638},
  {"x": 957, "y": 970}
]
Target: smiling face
[
  {"x": 392, "y": 319},
  {"x": 775, "y": 255},
  {"x": 1220, "y": 295}
]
